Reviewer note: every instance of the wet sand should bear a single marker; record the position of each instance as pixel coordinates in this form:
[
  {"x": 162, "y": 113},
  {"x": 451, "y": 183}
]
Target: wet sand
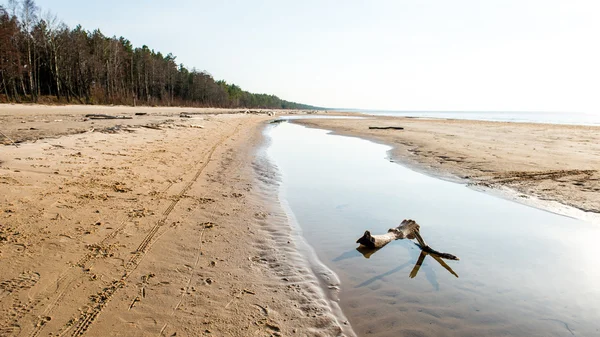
[
  {"x": 544, "y": 164},
  {"x": 162, "y": 226}
]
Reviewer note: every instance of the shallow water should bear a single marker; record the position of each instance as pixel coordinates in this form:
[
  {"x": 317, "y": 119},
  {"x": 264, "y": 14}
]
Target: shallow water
[{"x": 523, "y": 271}]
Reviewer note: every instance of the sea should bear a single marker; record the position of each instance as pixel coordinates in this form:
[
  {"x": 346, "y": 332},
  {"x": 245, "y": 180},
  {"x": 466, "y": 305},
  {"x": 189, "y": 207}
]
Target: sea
[{"x": 568, "y": 118}]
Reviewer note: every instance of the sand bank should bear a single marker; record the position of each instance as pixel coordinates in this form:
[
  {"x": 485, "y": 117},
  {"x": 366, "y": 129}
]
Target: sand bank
[
  {"x": 154, "y": 226},
  {"x": 547, "y": 162}
]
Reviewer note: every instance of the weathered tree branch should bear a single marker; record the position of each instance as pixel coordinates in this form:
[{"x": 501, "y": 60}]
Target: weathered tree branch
[
  {"x": 386, "y": 128},
  {"x": 103, "y": 116},
  {"x": 408, "y": 229}
]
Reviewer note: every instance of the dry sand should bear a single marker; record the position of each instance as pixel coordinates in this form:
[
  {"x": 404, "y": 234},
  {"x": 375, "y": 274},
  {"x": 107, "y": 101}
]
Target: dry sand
[
  {"x": 173, "y": 230},
  {"x": 557, "y": 163}
]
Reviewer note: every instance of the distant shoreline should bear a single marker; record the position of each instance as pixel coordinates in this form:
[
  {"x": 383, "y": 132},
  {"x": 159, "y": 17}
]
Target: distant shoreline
[{"x": 561, "y": 118}]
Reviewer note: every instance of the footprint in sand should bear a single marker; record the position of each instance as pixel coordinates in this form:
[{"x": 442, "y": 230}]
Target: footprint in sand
[
  {"x": 12, "y": 330},
  {"x": 24, "y": 281}
]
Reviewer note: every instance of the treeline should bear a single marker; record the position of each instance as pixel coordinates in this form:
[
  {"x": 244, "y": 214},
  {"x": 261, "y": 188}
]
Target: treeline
[{"x": 41, "y": 57}]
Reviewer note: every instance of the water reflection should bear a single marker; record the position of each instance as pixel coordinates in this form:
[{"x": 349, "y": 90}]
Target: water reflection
[
  {"x": 429, "y": 272},
  {"x": 366, "y": 251},
  {"x": 437, "y": 258},
  {"x": 510, "y": 285}
]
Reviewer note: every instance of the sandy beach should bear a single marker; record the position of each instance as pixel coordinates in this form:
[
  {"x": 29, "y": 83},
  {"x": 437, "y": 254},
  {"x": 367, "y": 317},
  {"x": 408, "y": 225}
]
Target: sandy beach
[
  {"x": 163, "y": 225},
  {"x": 154, "y": 226},
  {"x": 546, "y": 165}
]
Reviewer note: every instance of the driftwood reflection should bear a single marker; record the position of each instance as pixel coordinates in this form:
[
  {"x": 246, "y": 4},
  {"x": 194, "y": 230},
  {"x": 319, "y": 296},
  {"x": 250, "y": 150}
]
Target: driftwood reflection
[
  {"x": 368, "y": 252},
  {"x": 422, "y": 257}
]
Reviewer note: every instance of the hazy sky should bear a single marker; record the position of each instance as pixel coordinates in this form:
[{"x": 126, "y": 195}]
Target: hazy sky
[{"x": 541, "y": 55}]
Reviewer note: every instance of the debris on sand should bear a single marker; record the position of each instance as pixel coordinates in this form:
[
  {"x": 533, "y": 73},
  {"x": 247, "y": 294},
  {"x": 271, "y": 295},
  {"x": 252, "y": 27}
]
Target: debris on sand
[
  {"x": 386, "y": 128},
  {"x": 103, "y": 116}
]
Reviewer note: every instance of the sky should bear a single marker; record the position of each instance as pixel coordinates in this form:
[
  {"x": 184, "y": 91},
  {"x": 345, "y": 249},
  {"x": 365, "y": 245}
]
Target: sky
[{"x": 498, "y": 55}]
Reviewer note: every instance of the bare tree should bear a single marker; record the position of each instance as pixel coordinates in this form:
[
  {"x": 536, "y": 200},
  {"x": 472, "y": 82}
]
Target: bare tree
[
  {"x": 41, "y": 56},
  {"x": 29, "y": 17},
  {"x": 54, "y": 29}
]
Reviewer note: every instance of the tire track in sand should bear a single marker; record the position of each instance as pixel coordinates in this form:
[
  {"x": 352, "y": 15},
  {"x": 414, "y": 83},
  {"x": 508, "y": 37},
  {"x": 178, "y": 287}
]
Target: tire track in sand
[
  {"x": 85, "y": 320},
  {"x": 199, "y": 253},
  {"x": 64, "y": 282},
  {"x": 60, "y": 287}
]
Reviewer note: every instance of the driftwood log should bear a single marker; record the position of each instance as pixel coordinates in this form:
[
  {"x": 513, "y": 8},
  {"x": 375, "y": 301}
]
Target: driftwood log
[
  {"x": 10, "y": 139},
  {"x": 408, "y": 229},
  {"x": 151, "y": 126},
  {"x": 103, "y": 116},
  {"x": 386, "y": 128}
]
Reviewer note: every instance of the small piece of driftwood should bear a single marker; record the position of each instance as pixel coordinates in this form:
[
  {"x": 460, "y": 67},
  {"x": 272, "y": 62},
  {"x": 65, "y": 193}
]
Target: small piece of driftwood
[
  {"x": 141, "y": 113},
  {"x": 151, "y": 126},
  {"x": 408, "y": 229},
  {"x": 10, "y": 139},
  {"x": 103, "y": 116},
  {"x": 386, "y": 128}
]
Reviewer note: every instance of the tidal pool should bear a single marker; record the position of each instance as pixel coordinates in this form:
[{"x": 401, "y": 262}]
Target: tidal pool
[{"x": 523, "y": 271}]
